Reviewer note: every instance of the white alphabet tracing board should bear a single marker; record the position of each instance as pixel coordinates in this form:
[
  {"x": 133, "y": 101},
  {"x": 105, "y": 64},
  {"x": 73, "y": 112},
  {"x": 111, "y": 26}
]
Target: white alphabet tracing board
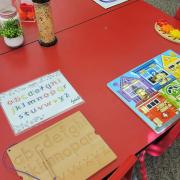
[{"x": 38, "y": 100}]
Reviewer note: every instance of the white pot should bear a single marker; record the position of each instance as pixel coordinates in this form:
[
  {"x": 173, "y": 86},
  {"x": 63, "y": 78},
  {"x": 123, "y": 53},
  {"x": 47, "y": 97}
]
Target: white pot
[{"x": 14, "y": 42}]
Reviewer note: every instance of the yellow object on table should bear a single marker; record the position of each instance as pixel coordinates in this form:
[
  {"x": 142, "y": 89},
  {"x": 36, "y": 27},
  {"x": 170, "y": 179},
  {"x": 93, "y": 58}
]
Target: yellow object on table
[
  {"x": 175, "y": 33},
  {"x": 167, "y": 31}
]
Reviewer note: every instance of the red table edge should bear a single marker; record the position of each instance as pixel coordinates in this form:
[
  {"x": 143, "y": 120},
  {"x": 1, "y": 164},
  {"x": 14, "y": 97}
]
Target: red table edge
[{"x": 124, "y": 168}]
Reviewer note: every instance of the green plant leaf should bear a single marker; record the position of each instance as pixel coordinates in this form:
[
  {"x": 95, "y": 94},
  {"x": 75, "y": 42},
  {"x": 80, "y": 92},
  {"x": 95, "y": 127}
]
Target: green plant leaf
[{"x": 11, "y": 29}]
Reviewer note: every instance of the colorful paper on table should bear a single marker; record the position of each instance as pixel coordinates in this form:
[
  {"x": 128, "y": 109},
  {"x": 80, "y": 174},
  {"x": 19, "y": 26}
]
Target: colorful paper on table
[
  {"x": 38, "y": 100},
  {"x": 70, "y": 149},
  {"x": 109, "y": 3},
  {"x": 152, "y": 90}
]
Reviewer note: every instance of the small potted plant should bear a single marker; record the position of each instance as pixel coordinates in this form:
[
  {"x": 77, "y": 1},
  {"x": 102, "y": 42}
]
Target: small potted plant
[{"x": 12, "y": 33}]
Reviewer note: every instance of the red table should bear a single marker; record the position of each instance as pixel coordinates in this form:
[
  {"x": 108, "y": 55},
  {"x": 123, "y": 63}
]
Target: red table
[
  {"x": 90, "y": 55},
  {"x": 66, "y": 14}
]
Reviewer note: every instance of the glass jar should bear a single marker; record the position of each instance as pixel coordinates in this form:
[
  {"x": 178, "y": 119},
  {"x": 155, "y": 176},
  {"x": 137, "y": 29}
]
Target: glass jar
[
  {"x": 44, "y": 22},
  {"x": 26, "y": 10},
  {"x": 5, "y": 4},
  {"x": 9, "y": 13}
]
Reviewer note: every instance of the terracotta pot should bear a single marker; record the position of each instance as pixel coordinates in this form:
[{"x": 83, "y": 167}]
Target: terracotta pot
[{"x": 14, "y": 42}]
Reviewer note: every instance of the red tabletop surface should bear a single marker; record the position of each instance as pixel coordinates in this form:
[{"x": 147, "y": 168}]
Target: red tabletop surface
[
  {"x": 89, "y": 56},
  {"x": 66, "y": 14}
]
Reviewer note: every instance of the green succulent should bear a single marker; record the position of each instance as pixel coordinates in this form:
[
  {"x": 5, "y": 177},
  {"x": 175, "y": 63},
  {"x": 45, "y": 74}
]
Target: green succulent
[{"x": 11, "y": 29}]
